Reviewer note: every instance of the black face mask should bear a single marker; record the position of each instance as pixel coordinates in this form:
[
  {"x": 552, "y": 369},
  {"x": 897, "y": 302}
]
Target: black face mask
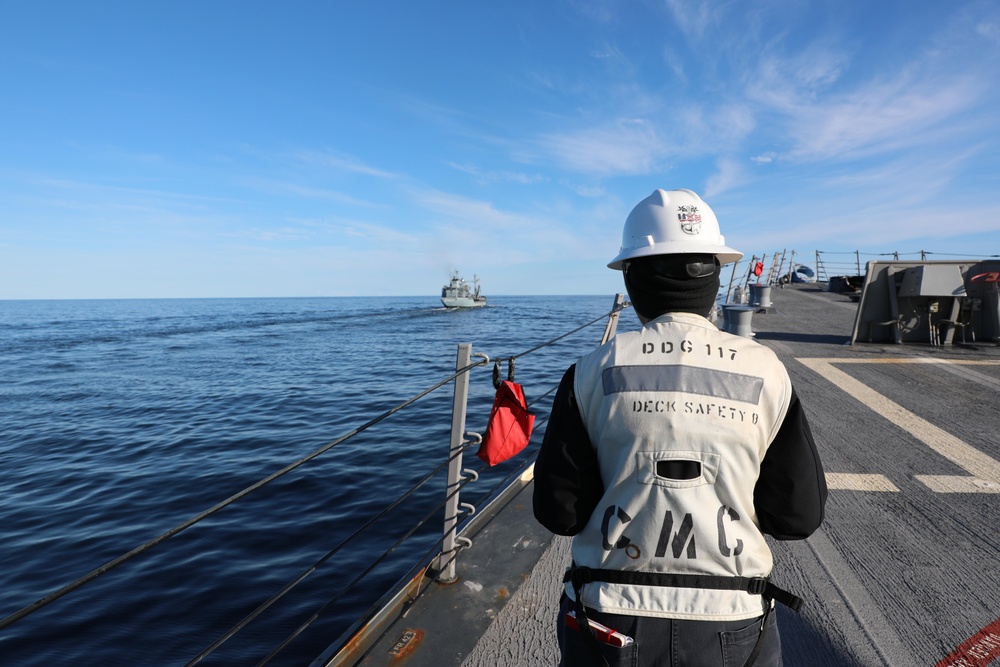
[{"x": 672, "y": 283}]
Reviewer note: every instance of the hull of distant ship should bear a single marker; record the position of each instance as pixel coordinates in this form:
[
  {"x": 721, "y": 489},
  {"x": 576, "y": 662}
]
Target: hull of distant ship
[{"x": 462, "y": 302}]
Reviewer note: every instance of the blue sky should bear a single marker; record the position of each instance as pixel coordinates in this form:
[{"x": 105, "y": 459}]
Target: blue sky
[{"x": 229, "y": 149}]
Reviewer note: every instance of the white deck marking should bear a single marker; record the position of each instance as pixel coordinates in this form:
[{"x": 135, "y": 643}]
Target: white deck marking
[
  {"x": 859, "y": 482},
  {"x": 984, "y": 471}
]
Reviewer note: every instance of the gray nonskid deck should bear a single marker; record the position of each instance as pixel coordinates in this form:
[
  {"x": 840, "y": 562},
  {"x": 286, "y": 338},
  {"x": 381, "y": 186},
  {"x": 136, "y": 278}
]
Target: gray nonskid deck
[{"x": 903, "y": 570}]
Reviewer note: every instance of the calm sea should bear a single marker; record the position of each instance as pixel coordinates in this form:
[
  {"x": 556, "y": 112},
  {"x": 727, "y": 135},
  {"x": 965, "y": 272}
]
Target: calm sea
[{"x": 122, "y": 419}]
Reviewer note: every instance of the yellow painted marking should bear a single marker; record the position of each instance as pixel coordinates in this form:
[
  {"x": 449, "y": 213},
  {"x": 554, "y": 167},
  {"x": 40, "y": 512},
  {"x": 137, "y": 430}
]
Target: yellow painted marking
[{"x": 984, "y": 471}]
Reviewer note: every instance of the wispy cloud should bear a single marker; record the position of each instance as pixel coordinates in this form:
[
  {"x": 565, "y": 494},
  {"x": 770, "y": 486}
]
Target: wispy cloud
[
  {"x": 92, "y": 189},
  {"x": 730, "y": 173},
  {"x": 695, "y": 16},
  {"x": 639, "y": 146},
  {"x": 989, "y": 29},
  {"x": 456, "y": 208},
  {"x": 499, "y": 235},
  {"x": 625, "y": 146},
  {"x": 879, "y": 117},
  {"x": 341, "y": 162},
  {"x": 370, "y": 232},
  {"x": 832, "y": 106},
  {"x": 484, "y": 176},
  {"x": 284, "y": 188}
]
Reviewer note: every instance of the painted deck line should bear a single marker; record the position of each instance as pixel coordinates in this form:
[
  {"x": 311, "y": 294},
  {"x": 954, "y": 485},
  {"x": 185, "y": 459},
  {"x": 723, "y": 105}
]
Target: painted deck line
[
  {"x": 963, "y": 370},
  {"x": 984, "y": 471},
  {"x": 862, "y": 607},
  {"x": 847, "y": 481}
]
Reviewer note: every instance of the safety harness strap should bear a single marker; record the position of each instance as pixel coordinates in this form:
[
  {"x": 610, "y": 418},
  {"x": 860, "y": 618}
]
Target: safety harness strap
[
  {"x": 752, "y": 585},
  {"x": 578, "y": 576}
]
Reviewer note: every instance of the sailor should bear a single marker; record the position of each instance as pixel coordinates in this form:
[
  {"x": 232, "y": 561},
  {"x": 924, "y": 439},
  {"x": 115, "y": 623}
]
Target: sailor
[{"x": 669, "y": 454}]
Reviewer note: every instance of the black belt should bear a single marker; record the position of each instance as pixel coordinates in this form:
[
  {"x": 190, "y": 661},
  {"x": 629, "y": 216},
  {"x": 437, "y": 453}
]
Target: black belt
[
  {"x": 578, "y": 576},
  {"x": 752, "y": 585}
]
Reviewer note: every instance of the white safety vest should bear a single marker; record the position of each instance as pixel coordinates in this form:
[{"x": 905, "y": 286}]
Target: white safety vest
[{"x": 681, "y": 415}]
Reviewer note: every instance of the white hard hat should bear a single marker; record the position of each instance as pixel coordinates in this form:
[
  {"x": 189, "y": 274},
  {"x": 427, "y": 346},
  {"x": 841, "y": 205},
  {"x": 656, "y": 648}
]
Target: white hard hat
[{"x": 673, "y": 223}]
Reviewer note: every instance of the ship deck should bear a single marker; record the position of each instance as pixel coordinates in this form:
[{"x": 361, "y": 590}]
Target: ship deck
[{"x": 902, "y": 572}]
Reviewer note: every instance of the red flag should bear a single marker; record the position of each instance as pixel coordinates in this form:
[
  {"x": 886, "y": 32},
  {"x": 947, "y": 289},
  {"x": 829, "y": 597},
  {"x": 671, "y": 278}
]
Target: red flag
[{"x": 510, "y": 424}]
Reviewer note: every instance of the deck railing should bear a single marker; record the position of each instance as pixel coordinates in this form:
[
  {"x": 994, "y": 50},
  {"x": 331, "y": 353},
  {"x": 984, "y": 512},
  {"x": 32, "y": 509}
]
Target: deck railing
[{"x": 437, "y": 564}]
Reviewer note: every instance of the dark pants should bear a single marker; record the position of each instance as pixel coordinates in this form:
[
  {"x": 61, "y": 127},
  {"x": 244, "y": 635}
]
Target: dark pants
[{"x": 664, "y": 642}]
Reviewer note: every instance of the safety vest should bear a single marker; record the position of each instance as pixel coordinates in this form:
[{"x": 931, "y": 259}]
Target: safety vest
[{"x": 680, "y": 415}]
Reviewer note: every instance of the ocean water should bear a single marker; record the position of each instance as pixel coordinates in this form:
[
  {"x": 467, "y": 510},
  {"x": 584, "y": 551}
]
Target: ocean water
[{"x": 122, "y": 419}]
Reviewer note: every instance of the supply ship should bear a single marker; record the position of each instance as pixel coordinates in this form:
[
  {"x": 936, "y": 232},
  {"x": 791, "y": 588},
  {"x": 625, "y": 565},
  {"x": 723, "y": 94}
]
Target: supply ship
[{"x": 459, "y": 294}]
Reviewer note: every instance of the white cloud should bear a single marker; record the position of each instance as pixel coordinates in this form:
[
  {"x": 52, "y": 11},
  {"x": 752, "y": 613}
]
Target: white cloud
[
  {"x": 675, "y": 64},
  {"x": 826, "y": 104},
  {"x": 880, "y": 117},
  {"x": 990, "y": 30},
  {"x": 601, "y": 11},
  {"x": 495, "y": 236},
  {"x": 625, "y": 146},
  {"x": 730, "y": 174},
  {"x": 284, "y": 188},
  {"x": 695, "y": 16},
  {"x": 641, "y": 146},
  {"x": 341, "y": 162},
  {"x": 486, "y": 177}
]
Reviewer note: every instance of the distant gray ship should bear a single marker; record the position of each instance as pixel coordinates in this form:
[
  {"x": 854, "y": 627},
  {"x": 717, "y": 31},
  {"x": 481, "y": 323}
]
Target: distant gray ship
[{"x": 459, "y": 294}]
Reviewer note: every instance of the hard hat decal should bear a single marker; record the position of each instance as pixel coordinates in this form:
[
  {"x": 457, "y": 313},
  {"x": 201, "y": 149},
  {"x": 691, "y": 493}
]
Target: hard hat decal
[{"x": 690, "y": 219}]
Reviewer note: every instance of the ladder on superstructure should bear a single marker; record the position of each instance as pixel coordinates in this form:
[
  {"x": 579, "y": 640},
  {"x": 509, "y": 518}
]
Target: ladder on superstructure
[
  {"x": 775, "y": 269},
  {"x": 821, "y": 273}
]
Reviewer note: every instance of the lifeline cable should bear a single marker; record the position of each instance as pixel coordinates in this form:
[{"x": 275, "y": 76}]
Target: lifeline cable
[
  {"x": 315, "y": 566},
  {"x": 299, "y": 579},
  {"x": 305, "y": 625},
  {"x": 569, "y": 333},
  {"x": 107, "y": 567},
  {"x": 430, "y": 553}
]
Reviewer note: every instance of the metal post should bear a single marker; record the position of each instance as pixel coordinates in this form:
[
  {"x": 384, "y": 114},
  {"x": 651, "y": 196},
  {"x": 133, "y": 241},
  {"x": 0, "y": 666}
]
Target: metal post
[
  {"x": 449, "y": 552},
  {"x": 777, "y": 268},
  {"x": 732, "y": 279},
  {"x": 890, "y": 276},
  {"x": 612, "y": 326}
]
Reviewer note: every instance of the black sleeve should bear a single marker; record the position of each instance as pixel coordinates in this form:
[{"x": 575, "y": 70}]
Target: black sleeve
[
  {"x": 568, "y": 482},
  {"x": 790, "y": 494}
]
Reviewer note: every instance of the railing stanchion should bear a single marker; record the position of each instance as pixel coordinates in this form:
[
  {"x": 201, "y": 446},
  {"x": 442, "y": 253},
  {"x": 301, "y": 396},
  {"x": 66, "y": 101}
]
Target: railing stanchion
[
  {"x": 446, "y": 561},
  {"x": 612, "y": 325}
]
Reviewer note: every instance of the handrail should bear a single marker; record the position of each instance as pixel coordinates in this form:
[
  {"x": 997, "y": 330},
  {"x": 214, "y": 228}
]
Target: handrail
[
  {"x": 451, "y": 496},
  {"x": 287, "y": 588},
  {"x": 358, "y": 640}
]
